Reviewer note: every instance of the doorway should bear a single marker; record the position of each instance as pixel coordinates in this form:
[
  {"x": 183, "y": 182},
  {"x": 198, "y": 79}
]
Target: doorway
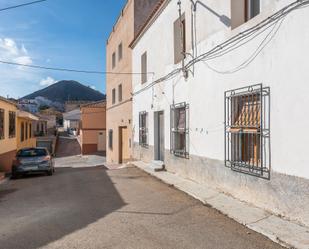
[
  {"x": 101, "y": 141},
  {"x": 159, "y": 135},
  {"x": 123, "y": 145}
]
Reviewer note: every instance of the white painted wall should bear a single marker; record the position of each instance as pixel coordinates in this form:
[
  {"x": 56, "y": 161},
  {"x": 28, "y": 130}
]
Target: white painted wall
[{"x": 282, "y": 65}]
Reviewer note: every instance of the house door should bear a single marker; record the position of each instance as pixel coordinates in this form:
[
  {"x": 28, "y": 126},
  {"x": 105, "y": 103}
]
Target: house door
[
  {"x": 101, "y": 141},
  {"x": 123, "y": 145},
  {"x": 159, "y": 136}
]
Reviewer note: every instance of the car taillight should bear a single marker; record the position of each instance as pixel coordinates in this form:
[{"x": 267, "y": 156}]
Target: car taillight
[{"x": 47, "y": 158}]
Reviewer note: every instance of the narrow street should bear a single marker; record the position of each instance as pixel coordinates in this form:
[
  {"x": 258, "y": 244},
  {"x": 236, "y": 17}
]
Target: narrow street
[{"x": 94, "y": 207}]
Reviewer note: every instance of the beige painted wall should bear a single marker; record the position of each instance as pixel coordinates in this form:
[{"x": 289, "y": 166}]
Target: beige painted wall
[
  {"x": 29, "y": 141},
  {"x": 7, "y": 144},
  {"x": 120, "y": 113}
]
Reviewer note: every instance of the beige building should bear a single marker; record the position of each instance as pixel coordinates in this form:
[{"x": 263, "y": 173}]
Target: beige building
[
  {"x": 8, "y": 143},
  {"x": 93, "y": 128},
  {"x": 119, "y": 86}
]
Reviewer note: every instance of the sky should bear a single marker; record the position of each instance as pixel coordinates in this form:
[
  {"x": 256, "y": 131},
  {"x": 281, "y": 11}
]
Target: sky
[{"x": 54, "y": 33}]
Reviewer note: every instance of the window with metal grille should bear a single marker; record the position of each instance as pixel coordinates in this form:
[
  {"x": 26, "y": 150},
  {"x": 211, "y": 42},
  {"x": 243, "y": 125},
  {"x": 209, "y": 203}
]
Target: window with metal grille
[
  {"x": 12, "y": 124},
  {"x": 143, "y": 129},
  {"x": 247, "y": 130},
  {"x": 180, "y": 130},
  {"x": 110, "y": 139},
  {"x": 1, "y": 124}
]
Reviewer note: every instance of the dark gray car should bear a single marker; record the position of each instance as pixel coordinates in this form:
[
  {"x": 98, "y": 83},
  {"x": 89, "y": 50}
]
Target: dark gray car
[{"x": 32, "y": 160}]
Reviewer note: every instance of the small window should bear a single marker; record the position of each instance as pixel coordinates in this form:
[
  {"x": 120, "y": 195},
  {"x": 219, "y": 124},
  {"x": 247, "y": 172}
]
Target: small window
[
  {"x": 1, "y": 124},
  {"x": 22, "y": 132},
  {"x": 120, "y": 52},
  {"x": 114, "y": 60},
  {"x": 144, "y": 67},
  {"x": 114, "y": 96},
  {"x": 143, "y": 129},
  {"x": 30, "y": 130},
  {"x": 243, "y": 10},
  {"x": 110, "y": 139},
  {"x": 12, "y": 124},
  {"x": 180, "y": 130},
  {"x": 26, "y": 131},
  {"x": 120, "y": 93},
  {"x": 179, "y": 39}
]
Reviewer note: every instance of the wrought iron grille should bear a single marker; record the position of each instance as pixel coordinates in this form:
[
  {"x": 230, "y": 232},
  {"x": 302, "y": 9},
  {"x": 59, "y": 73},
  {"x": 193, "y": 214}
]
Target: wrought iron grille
[
  {"x": 247, "y": 130},
  {"x": 180, "y": 130},
  {"x": 143, "y": 129}
]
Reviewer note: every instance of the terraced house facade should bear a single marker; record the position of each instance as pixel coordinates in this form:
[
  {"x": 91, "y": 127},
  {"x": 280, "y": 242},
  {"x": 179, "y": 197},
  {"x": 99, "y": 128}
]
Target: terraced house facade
[
  {"x": 227, "y": 103},
  {"x": 119, "y": 82}
]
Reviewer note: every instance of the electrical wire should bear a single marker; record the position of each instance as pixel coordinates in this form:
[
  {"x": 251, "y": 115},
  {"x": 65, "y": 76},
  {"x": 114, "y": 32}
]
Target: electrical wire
[
  {"x": 22, "y": 5},
  {"x": 71, "y": 70}
]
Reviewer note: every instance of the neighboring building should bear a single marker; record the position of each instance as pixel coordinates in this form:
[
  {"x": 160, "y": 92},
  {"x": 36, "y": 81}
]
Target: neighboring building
[
  {"x": 93, "y": 128},
  {"x": 28, "y": 105},
  {"x": 40, "y": 127},
  {"x": 119, "y": 86},
  {"x": 71, "y": 120},
  {"x": 8, "y": 143},
  {"x": 72, "y": 105},
  {"x": 206, "y": 113},
  {"x": 25, "y": 130}
]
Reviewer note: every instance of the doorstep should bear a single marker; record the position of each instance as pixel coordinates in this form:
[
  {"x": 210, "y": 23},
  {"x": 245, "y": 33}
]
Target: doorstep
[{"x": 279, "y": 230}]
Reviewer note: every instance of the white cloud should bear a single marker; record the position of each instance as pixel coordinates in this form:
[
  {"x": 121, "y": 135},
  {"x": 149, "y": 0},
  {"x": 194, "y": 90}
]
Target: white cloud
[
  {"x": 48, "y": 81},
  {"x": 93, "y": 87},
  {"x": 26, "y": 60}
]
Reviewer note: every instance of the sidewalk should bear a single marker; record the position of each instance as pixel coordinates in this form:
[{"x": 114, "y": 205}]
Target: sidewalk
[{"x": 284, "y": 232}]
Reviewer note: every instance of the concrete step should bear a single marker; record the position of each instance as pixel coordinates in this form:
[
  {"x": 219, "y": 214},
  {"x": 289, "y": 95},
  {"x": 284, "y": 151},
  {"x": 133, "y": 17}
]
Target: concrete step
[{"x": 157, "y": 166}]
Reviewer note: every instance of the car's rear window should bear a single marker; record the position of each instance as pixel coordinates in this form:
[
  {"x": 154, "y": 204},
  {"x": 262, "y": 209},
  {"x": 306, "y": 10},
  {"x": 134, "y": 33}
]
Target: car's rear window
[{"x": 32, "y": 153}]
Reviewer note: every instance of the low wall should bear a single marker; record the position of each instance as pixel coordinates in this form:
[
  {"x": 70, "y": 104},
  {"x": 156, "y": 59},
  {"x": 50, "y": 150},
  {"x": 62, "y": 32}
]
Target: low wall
[
  {"x": 6, "y": 161},
  {"x": 283, "y": 195}
]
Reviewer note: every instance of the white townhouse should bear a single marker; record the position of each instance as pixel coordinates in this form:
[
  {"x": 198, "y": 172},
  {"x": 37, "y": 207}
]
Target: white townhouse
[{"x": 224, "y": 98}]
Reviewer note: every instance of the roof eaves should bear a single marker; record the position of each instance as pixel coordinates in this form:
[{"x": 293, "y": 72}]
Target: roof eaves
[{"x": 152, "y": 17}]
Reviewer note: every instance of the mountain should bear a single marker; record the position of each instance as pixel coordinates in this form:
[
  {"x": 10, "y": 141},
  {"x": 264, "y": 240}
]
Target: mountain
[{"x": 65, "y": 90}]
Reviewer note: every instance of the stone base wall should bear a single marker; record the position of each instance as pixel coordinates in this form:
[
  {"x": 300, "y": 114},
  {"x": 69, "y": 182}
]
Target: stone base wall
[{"x": 283, "y": 194}]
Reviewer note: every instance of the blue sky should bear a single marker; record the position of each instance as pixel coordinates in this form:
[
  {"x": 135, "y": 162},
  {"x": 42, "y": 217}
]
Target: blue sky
[{"x": 55, "y": 33}]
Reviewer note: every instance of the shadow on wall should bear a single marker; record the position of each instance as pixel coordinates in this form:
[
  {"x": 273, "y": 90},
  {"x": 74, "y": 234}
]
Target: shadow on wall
[{"x": 59, "y": 205}]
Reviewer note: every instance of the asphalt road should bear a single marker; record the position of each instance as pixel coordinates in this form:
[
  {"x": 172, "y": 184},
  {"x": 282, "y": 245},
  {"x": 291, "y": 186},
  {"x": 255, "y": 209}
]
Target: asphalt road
[{"x": 100, "y": 208}]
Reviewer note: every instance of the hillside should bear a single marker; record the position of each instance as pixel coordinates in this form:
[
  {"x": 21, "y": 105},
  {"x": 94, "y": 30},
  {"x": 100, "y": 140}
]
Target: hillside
[{"x": 65, "y": 90}]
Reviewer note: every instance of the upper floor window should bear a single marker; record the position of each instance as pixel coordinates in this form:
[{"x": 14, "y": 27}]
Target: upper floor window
[
  {"x": 179, "y": 39},
  {"x": 120, "y": 93},
  {"x": 1, "y": 124},
  {"x": 114, "y": 60},
  {"x": 180, "y": 130},
  {"x": 113, "y": 96},
  {"x": 26, "y": 131},
  {"x": 243, "y": 10},
  {"x": 144, "y": 67},
  {"x": 12, "y": 124},
  {"x": 119, "y": 51},
  {"x": 30, "y": 131}
]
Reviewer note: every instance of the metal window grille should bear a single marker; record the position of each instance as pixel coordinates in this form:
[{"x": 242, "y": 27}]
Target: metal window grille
[
  {"x": 247, "y": 130},
  {"x": 180, "y": 130},
  {"x": 143, "y": 129},
  {"x": 1, "y": 124},
  {"x": 12, "y": 124}
]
